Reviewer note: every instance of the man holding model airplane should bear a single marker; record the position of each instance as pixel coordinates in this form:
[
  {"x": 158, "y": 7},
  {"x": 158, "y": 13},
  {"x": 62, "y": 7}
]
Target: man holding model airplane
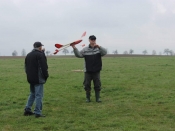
[{"x": 93, "y": 65}]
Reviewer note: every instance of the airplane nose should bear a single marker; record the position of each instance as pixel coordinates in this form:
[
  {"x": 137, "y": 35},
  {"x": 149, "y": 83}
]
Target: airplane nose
[{"x": 78, "y": 41}]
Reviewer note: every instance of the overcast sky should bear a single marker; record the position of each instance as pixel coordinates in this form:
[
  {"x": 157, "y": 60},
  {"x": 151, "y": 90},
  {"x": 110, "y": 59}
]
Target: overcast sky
[{"x": 118, "y": 24}]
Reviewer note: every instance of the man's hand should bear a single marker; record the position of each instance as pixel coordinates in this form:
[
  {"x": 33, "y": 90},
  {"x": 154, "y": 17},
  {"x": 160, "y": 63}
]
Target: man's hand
[
  {"x": 43, "y": 49},
  {"x": 73, "y": 46},
  {"x": 96, "y": 46}
]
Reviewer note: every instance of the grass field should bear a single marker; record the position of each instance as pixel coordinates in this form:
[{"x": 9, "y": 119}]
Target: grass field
[{"x": 138, "y": 95}]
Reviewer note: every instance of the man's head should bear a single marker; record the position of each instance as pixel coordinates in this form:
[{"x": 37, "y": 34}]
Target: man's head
[
  {"x": 92, "y": 40},
  {"x": 38, "y": 45}
]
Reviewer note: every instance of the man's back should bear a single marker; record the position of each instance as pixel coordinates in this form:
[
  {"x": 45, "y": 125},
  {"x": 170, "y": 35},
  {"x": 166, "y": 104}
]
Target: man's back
[{"x": 36, "y": 65}]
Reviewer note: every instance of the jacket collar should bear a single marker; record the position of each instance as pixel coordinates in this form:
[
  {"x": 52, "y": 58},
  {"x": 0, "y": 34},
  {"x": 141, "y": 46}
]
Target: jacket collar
[
  {"x": 91, "y": 47},
  {"x": 35, "y": 49}
]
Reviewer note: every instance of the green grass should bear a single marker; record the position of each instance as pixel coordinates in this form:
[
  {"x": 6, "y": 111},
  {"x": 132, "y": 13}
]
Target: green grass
[{"x": 138, "y": 95}]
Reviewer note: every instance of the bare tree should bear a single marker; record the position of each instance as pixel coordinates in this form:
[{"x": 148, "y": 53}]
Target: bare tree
[
  {"x": 23, "y": 53},
  {"x": 166, "y": 51},
  {"x": 47, "y": 52},
  {"x": 14, "y": 53},
  {"x": 145, "y": 52},
  {"x": 131, "y": 51},
  {"x": 125, "y": 52},
  {"x": 153, "y": 52},
  {"x": 115, "y": 52},
  {"x": 65, "y": 51},
  {"x": 171, "y": 52}
]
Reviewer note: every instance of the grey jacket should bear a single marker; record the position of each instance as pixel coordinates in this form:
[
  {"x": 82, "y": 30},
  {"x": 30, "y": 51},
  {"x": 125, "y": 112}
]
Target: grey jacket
[{"x": 92, "y": 57}]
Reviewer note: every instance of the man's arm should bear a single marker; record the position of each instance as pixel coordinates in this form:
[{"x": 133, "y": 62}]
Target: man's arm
[
  {"x": 25, "y": 66},
  {"x": 103, "y": 51},
  {"x": 44, "y": 67},
  {"x": 77, "y": 53}
]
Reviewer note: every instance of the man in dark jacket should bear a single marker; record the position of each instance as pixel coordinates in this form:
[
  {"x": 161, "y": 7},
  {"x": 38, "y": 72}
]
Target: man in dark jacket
[
  {"x": 37, "y": 73},
  {"x": 93, "y": 65}
]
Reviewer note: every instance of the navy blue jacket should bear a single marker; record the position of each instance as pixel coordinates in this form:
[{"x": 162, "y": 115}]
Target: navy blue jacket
[{"x": 36, "y": 67}]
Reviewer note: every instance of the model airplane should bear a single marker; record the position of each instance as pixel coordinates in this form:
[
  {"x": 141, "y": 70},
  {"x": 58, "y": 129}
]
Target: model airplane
[{"x": 62, "y": 47}]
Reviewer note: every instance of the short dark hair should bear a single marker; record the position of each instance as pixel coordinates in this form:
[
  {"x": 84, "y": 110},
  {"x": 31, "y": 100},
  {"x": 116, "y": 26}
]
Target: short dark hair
[
  {"x": 92, "y": 37},
  {"x": 37, "y": 44}
]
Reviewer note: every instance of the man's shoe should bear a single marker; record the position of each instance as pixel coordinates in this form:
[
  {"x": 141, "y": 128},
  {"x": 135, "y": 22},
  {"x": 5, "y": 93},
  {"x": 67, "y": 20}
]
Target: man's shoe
[
  {"x": 28, "y": 113},
  {"x": 97, "y": 96},
  {"x": 88, "y": 94},
  {"x": 39, "y": 115},
  {"x": 98, "y": 100},
  {"x": 88, "y": 100}
]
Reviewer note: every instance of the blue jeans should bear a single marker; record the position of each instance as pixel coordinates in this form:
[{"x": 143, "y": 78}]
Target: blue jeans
[{"x": 36, "y": 94}]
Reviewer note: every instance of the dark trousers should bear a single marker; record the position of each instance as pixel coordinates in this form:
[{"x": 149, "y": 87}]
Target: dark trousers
[{"x": 88, "y": 77}]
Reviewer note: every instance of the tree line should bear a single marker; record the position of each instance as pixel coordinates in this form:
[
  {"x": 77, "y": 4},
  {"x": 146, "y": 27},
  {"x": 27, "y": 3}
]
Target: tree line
[
  {"x": 145, "y": 52},
  {"x": 131, "y": 51}
]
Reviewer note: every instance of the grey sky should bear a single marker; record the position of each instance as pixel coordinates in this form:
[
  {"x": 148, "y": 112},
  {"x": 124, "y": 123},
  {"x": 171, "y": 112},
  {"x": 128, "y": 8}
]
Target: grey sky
[{"x": 117, "y": 24}]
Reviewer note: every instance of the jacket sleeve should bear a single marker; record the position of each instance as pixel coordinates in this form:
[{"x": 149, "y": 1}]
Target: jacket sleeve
[
  {"x": 43, "y": 65},
  {"x": 103, "y": 51},
  {"x": 79, "y": 54},
  {"x": 25, "y": 64}
]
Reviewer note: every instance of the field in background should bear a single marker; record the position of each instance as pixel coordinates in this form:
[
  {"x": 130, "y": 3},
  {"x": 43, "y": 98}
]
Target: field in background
[{"x": 138, "y": 95}]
